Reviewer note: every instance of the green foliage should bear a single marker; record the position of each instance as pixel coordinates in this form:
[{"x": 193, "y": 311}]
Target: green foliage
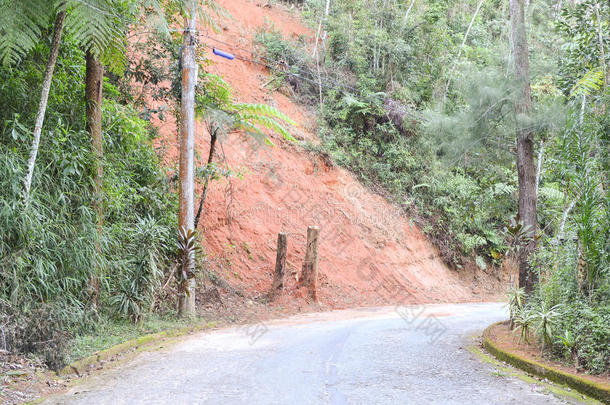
[
  {"x": 49, "y": 249},
  {"x": 582, "y": 150},
  {"x": 289, "y": 64},
  {"x": 467, "y": 208},
  {"x": 99, "y": 26},
  {"x": 590, "y": 83},
  {"x": 580, "y": 26},
  {"x": 545, "y": 318},
  {"x": 516, "y": 301},
  {"x": 583, "y": 335},
  {"x": 109, "y": 333},
  {"x": 524, "y": 320},
  {"x": 21, "y": 26},
  {"x": 141, "y": 271},
  {"x": 454, "y": 168},
  {"x": 215, "y": 104},
  {"x": 187, "y": 248}
]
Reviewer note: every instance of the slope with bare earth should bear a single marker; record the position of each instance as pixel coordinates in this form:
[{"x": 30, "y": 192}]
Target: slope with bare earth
[{"x": 369, "y": 254}]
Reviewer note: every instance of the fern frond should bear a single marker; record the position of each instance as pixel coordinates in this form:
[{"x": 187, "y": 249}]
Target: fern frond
[
  {"x": 262, "y": 110},
  {"x": 99, "y": 28},
  {"x": 21, "y": 25},
  {"x": 252, "y": 129},
  {"x": 551, "y": 193},
  {"x": 266, "y": 122},
  {"x": 115, "y": 56},
  {"x": 591, "y": 82}
]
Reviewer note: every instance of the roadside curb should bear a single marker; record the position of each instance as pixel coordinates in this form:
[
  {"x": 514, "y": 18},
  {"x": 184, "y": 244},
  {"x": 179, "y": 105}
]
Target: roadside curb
[
  {"x": 79, "y": 367},
  {"x": 590, "y": 388}
]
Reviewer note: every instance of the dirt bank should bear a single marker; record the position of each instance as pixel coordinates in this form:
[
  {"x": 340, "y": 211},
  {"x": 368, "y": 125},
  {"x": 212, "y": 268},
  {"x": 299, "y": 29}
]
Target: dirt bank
[{"x": 370, "y": 255}]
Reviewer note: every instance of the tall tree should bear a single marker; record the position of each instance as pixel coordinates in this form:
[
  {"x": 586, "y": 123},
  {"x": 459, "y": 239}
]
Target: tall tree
[
  {"x": 44, "y": 97},
  {"x": 186, "y": 214},
  {"x": 93, "y": 95},
  {"x": 526, "y": 168},
  {"x": 93, "y": 23},
  {"x": 21, "y": 26}
]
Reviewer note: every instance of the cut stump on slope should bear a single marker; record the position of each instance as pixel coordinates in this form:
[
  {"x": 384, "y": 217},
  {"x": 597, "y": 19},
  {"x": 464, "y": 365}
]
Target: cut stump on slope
[
  {"x": 309, "y": 277},
  {"x": 280, "y": 265}
]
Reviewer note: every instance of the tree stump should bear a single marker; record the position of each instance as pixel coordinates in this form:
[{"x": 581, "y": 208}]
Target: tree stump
[
  {"x": 309, "y": 278},
  {"x": 280, "y": 264}
]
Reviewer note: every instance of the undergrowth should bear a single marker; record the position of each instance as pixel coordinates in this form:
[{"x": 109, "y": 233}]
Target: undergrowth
[{"x": 50, "y": 249}]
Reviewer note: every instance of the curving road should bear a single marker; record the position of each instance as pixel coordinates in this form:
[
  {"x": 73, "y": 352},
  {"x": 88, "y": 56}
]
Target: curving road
[{"x": 405, "y": 355}]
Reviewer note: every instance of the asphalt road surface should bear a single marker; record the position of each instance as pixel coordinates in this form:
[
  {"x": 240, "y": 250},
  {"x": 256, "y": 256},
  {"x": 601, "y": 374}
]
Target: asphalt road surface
[{"x": 404, "y": 355}]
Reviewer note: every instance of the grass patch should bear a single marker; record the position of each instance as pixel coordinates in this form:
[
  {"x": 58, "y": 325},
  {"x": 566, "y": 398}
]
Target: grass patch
[{"x": 112, "y": 332}]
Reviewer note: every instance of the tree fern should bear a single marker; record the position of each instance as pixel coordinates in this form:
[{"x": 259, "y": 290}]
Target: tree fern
[
  {"x": 95, "y": 24},
  {"x": 21, "y": 25},
  {"x": 215, "y": 103},
  {"x": 99, "y": 28}
]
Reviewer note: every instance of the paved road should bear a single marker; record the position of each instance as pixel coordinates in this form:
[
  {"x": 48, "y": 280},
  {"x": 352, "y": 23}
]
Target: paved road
[{"x": 369, "y": 356}]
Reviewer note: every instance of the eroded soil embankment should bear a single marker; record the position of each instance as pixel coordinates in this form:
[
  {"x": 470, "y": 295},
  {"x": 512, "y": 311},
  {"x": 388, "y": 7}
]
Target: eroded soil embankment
[{"x": 370, "y": 255}]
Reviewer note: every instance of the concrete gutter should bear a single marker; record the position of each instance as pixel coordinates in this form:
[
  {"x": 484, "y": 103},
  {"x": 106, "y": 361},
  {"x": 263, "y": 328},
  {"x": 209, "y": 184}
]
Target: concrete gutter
[{"x": 593, "y": 389}]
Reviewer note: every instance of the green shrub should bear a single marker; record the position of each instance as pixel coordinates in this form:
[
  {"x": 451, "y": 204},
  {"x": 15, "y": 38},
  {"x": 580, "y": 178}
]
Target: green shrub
[
  {"x": 590, "y": 327},
  {"x": 50, "y": 249}
]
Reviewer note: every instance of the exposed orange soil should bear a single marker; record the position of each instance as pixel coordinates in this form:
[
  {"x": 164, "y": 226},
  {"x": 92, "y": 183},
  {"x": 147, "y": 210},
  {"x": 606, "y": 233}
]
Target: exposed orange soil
[
  {"x": 508, "y": 340},
  {"x": 369, "y": 254}
]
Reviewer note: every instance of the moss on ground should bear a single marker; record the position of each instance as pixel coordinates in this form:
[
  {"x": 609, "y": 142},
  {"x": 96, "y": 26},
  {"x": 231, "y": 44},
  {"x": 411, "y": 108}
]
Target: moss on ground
[{"x": 590, "y": 388}]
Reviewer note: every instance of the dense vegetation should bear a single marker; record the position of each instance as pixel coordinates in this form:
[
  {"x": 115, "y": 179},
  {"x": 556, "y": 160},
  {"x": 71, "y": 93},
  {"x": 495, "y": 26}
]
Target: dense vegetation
[
  {"x": 418, "y": 99},
  {"x": 86, "y": 247},
  {"x": 50, "y": 248}
]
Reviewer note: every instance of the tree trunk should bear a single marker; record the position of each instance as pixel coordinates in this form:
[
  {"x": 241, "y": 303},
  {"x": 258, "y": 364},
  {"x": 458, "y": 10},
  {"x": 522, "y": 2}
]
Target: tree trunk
[
  {"x": 309, "y": 277},
  {"x": 280, "y": 265},
  {"x": 526, "y": 168},
  {"x": 326, "y": 12},
  {"x": 539, "y": 167},
  {"x": 42, "y": 106},
  {"x": 93, "y": 97},
  {"x": 600, "y": 37},
  {"x": 186, "y": 302},
  {"x": 404, "y": 20},
  {"x": 457, "y": 59},
  {"x": 204, "y": 193}
]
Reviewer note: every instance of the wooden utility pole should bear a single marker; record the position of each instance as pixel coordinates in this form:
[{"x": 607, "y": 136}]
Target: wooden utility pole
[
  {"x": 280, "y": 264},
  {"x": 526, "y": 170},
  {"x": 93, "y": 97},
  {"x": 309, "y": 278},
  {"x": 186, "y": 303}
]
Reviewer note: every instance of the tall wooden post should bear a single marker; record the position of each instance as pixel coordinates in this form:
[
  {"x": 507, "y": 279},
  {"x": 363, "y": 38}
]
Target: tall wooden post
[
  {"x": 186, "y": 304},
  {"x": 309, "y": 277},
  {"x": 280, "y": 264}
]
